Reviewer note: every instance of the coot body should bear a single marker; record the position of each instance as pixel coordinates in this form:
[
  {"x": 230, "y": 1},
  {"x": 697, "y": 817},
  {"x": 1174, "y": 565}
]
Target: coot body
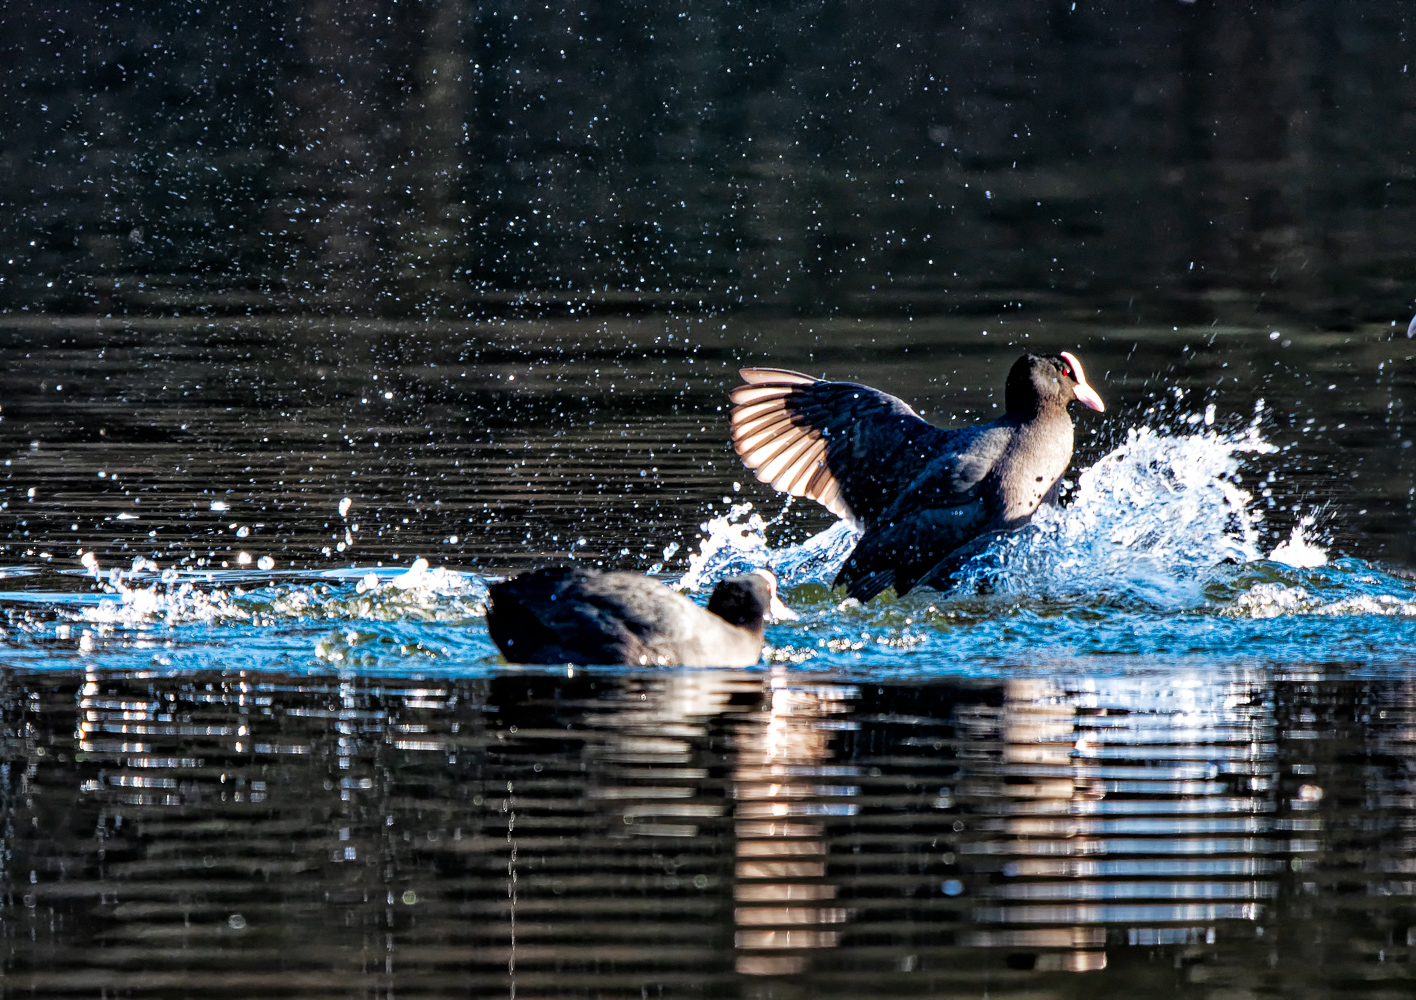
[
  {"x": 574, "y": 614},
  {"x": 926, "y": 498}
]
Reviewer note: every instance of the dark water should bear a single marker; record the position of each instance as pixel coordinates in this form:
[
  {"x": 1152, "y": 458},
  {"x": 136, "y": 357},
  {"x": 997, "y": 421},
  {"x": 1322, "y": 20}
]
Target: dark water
[
  {"x": 319, "y": 317},
  {"x": 1154, "y": 758},
  {"x": 1157, "y": 160},
  {"x": 708, "y": 833}
]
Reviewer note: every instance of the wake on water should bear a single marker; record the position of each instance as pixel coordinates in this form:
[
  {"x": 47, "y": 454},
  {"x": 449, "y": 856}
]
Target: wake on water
[
  {"x": 1161, "y": 524},
  {"x": 419, "y": 593}
]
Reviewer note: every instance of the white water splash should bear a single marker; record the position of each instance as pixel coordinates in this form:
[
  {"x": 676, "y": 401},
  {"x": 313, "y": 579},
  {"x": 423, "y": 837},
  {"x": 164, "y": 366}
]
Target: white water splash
[
  {"x": 1298, "y": 551},
  {"x": 418, "y": 594},
  {"x": 1150, "y": 520},
  {"x": 736, "y": 542}
]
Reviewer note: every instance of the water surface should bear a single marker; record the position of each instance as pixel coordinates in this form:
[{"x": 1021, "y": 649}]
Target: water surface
[
  {"x": 1157, "y": 742},
  {"x": 707, "y": 833},
  {"x": 315, "y": 319}
]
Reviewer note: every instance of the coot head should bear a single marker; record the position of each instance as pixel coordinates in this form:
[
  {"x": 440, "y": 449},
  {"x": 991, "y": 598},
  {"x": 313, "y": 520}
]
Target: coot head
[
  {"x": 1042, "y": 381},
  {"x": 749, "y": 600}
]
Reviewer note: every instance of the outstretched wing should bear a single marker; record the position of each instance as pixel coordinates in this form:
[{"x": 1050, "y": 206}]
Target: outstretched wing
[{"x": 850, "y": 448}]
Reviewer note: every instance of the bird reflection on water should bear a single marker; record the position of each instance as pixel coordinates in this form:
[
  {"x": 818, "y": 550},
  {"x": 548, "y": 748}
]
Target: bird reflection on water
[
  {"x": 782, "y": 892},
  {"x": 1118, "y": 815},
  {"x": 626, "y": 830}
]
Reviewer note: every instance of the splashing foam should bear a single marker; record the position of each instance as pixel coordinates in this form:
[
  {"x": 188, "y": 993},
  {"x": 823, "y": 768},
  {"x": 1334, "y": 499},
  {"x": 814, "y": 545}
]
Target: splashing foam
[
  {"x": 736, "y": 542},
  {"x": 418, "y": 594},
  {"x": 1298, "y": 552},
  {"x": 1147, "y": 522},
  {"x": 1273, "y": 600}
]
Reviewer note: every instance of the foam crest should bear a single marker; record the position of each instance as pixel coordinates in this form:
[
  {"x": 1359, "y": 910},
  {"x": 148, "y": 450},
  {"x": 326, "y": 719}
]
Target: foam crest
[
  {"x": 1274, "y": 600},
  {"x": 166, "y": 603},
  {"x": 736, "y": 542},
  {"x": 420, "y": 593}
]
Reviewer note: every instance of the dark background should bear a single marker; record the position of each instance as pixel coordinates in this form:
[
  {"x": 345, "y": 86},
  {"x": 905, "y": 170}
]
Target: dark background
[
  {"x": 1154, "y": 161},
  {"x": 487, "y": 270},
  {"x": 449, "y": 259}
]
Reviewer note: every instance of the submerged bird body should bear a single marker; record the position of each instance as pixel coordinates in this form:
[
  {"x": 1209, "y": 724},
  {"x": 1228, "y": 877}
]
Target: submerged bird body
[
  {"x": 572, "y": 614},
  {"x": 925, "y": 498}
]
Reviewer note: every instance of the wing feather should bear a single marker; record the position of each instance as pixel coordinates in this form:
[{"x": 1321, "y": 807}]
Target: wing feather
[
  {"x": 771, "y": 470},
  {"x": 864, "y": 446},
  {"x": 830, "y": 498},
  {"x": 794, "y": 480},
  {"x": 768, "y": 457},
  {"x": 780, "y": 376},
  {"x": 754, "y": 412},
  {"x": 759, "y": 393},
  {"x": 754, "y": 437},
  {"x": 818, "y": 481}
]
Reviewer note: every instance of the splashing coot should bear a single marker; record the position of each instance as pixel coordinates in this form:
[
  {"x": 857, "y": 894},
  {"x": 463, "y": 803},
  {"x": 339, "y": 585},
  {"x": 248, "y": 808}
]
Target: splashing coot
[
  {"x": 572, "y": 614},
  {"x": 925, "y": 498}
]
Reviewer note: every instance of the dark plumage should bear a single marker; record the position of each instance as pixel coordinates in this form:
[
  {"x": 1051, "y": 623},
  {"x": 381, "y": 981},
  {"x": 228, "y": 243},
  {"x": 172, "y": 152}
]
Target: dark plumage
[
  {"x": 571, "y": 614},
  {"x": 926, "y": 498}
]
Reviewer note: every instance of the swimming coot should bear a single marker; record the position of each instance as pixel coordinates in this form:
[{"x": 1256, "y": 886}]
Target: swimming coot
[
  {"x": 573, "y": 614},
  {"x": 926, "y": 498}
]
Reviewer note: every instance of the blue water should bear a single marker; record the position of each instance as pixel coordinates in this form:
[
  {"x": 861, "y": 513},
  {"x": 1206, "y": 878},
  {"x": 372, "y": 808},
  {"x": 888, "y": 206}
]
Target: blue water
[{"x": 1157, "y": 556}]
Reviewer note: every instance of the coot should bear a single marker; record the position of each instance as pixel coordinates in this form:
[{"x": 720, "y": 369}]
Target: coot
[
  {"x": 926, "y": 498},
  {"x": 573, "y": 614}
]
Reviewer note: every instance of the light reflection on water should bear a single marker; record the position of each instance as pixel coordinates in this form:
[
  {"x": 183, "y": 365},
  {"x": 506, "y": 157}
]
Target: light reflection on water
[
  {"x": 608, "y": 831},
  {"x": 783, "y": 893},
  {"x": 233, "y": 779},
  {"x": 503, "y": 444},
  {"x": 1121, "y": 777}
]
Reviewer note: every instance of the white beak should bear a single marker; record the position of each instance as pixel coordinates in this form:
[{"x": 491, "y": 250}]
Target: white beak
[
  {"x": 1085, "y": 394},
  {"x": 776, "y": 610}
]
